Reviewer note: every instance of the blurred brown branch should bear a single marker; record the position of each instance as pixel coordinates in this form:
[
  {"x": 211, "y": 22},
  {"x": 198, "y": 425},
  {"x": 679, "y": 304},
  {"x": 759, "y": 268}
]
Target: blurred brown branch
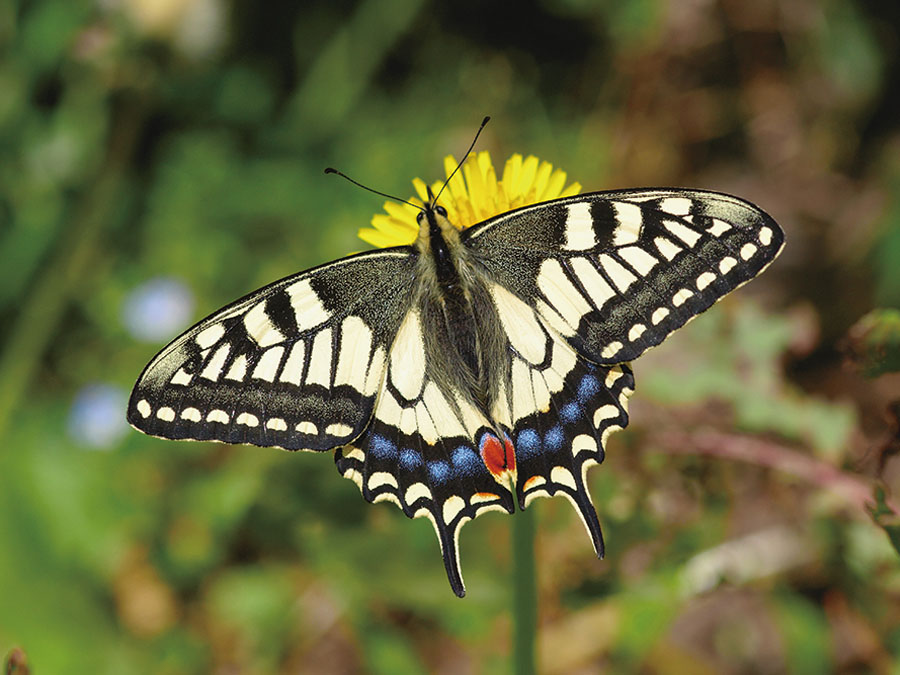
[{"x": 856, "y": 489}]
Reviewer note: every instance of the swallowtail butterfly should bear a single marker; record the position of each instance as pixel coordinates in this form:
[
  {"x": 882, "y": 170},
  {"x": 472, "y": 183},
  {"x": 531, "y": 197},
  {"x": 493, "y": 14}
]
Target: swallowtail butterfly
[{"x": 471, "y": 370}]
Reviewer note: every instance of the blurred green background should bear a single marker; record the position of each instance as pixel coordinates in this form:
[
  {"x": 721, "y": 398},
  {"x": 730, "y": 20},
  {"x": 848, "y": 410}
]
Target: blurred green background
[{"x": 159, "y": 158}]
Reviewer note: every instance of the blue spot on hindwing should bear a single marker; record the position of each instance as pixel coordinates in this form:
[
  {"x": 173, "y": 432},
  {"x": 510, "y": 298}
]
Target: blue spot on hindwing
[
  {"x": 529, "y": 443},
  {"x": 570, "y": 412},
  {"x": 465, "y": 461},
  {"x": 554, "y": 438},
  {"x": 382, "y": 448},
  {"x": 410, "y": 460},
  {"x": 439, "y": 471},
  {"x": 588, "y": 387}
]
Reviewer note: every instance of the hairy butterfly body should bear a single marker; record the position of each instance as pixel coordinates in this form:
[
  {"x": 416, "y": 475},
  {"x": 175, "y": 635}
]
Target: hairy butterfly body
[{"x": 471, "y": 370}]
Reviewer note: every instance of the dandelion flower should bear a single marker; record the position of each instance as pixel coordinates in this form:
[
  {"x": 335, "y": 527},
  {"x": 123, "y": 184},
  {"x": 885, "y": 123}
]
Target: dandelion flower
[{"x": 473, "y": 195}]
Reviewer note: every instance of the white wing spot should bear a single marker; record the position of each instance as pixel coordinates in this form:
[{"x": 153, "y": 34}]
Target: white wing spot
[
  {"x": 667, "y": 248},
  {"x": 144, "y": 408},
  {"x": 338, "y": 429},
  {"x": 636, "y": 331},
  {"x": 293, "y": 366},
  {"x": 765, "y": 236},
  {"x": 181, "y": 377},
  {"x": 523, "y": 403},
  {"x": 705, "y": 280},
  {"x": 629, "y": 221},
  {"x": 620, "y": 276},
  {"x": 219, "y": 416},
  {"x": 748, "y": 251},
  {"x": 376, "y": 370},
  {"x": 681, "y": 297},
  {"x": 276, "y": 424},
  {"x": 407, "y": 361},
  {"x": 718, "y": 227},
  {"x": 638, "y": 258},
  {"x": 238, "y": 370},
  {"x": 446, "y": 423},
  {"x": 727, "y": 264},
  {"x": 380, "y": 478},
  {"x": 611, "y": 349},
  {"x": 683, "y": 232},
  {"x": 308, "y": 308},
  {"x": 583, "y": 443},
  {"x": 308, "y": 428},
  {"x": 353, "y": 360},
  {"x": 320, "y": 359},
  {"x": 579, "y": 227},
  {"x": 408, "y": 421},
  {"x": 248, "y": 419},
  {"x": 677, "y": 206},
  {"x": 191, "y": 414},
  {"x": 166, "y": 414},
  {"x": 660, "y": 314},
  {"x": 520, "y": 324},
  {"x": 598, "y": 289},
  {"x": 612, "y": 377},
  {"x": 213, "y": 368},
  {"x": 452, "y": 507},
  {"x": 355, "y": 453},
  {"x": 415, "y": 492},
  {"x": 207, "y": 337},
  {"x": 605, "y": 412},
  {"x": 260, "y": 327},
  {"x": 561, "y": 293},
  {"x": 425, "y": 424},
  {"x": 267, "y": 366},
  {"x": 563, "y": 476},
  {"x": 552, "y": 317}
]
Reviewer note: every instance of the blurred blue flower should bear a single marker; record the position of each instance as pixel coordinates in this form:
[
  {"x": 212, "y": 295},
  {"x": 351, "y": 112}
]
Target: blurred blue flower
[
  {"x": 97, "y": 416},
  {"x": 158, "y": 309}
]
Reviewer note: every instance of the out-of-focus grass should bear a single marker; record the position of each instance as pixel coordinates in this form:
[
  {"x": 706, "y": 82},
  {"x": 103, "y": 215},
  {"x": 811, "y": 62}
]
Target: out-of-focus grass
[{"x": 139, "y": 145}]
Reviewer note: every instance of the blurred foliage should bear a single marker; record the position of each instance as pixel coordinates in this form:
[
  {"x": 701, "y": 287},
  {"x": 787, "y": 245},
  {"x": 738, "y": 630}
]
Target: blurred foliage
[
  {"x": 184, "y": 141},
  {"x": 874, "y": 342}
]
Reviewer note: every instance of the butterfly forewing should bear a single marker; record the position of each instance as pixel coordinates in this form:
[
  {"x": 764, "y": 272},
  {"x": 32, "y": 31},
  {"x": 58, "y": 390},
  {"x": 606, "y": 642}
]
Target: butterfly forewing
[
  {"x": 616, "y": 272},
  {"x": 295, "y": 365}
]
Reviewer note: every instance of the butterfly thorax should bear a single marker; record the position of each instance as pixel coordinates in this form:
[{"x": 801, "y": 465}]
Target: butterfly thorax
[{"x": 457, "y": 304}]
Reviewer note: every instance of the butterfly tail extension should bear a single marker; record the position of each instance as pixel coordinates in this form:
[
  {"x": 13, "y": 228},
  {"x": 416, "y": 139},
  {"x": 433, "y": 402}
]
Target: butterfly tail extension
[
  {"x": 554, "y": 452},
  {"x": 445, "y": 481}
]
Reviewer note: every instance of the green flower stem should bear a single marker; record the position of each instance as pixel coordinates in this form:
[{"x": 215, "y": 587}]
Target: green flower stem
[{"x": 524, "y": 593}]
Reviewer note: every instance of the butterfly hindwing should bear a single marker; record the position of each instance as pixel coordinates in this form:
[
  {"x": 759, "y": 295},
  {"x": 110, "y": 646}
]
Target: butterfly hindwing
[
  {"x": 559, "y": 407},
  {"x": 616, "y": 272},
  {"x": 295, "y": 365},
  {"x": 424, "y": 449}
]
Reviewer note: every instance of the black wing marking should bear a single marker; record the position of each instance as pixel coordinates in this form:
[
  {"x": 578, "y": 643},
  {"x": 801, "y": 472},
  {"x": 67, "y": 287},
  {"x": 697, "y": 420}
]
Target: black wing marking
[
  {"x": 616, "y": 272},
  {"x": 296, "y": 364}
]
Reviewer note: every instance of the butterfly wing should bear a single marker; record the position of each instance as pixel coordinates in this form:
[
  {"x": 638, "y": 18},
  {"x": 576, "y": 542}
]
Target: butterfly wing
[
  {"x": 585, "y": 284},
  {"x": 616, "y": 272},
  {"x": 424, "y": 448},
  {"x": 559, "y": 406},
  {"x": 296, "y": 364}
]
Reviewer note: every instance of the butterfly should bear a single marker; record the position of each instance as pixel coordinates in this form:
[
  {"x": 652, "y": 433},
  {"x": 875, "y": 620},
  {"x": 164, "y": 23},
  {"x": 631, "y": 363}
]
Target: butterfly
[{"x": 472, "y": 370}]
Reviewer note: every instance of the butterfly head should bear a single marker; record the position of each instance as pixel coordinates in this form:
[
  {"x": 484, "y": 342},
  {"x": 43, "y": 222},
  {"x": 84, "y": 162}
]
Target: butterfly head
[{"x": 433, "y": 220}]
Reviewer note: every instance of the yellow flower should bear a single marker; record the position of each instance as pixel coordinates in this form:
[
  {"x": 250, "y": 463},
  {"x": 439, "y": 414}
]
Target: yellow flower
[{"x": 472, "y": 196}]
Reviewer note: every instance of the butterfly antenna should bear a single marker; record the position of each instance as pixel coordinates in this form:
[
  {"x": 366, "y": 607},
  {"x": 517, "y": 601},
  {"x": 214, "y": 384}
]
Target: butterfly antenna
[
  {"x": 366, "y": 187},
  {"x": 465, "y": 157}
]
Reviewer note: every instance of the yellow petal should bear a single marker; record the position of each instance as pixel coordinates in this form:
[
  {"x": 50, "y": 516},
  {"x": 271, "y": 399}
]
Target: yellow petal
[{"x": 473, "y": 194}]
